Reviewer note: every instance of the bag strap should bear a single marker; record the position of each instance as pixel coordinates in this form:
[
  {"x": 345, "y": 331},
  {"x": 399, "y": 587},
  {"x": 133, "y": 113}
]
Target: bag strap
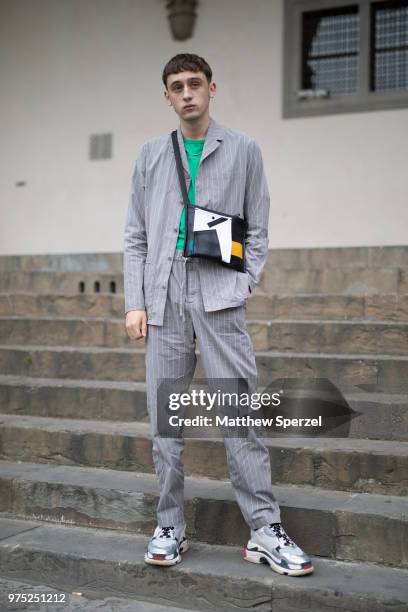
[{"x": 180, "y": 170}]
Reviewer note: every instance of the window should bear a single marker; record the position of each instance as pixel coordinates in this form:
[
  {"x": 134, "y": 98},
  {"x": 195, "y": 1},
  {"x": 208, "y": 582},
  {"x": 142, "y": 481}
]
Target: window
[
  {"x": 389, "y": 46},
  {"x": 344, "y": 56},
  {"x": 330, "y": 49}
]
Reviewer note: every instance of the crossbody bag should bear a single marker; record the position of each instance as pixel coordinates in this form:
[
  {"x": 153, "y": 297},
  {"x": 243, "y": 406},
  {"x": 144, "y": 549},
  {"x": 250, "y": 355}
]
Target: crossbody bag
[{"x": 211, "y": 234}]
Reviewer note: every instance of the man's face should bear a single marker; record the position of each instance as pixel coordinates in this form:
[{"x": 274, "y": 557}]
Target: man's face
[{"x": 189, "y": 93}]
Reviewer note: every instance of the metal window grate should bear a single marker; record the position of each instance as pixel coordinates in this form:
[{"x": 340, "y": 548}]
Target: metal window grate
[
  {"x": 389, "y": 45},
  {"x": 100, "y": 146},
  {"x": 330, "y": 50}
]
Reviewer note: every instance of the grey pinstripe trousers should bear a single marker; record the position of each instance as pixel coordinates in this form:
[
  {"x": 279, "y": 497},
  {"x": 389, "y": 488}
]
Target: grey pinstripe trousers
[{"x": 226, "y": 352}]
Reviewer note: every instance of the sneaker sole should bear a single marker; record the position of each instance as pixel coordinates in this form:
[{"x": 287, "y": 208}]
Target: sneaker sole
[
  {"x": 261, "y": 556},
  {"x": 166, "y": 562}
]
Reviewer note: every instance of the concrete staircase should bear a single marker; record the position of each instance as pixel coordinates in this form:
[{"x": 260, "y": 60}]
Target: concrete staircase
[{"x": 77, "y": 485}]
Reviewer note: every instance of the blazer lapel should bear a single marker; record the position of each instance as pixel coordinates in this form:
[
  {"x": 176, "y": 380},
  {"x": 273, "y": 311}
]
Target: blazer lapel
[{"x": 213, "y": 139}]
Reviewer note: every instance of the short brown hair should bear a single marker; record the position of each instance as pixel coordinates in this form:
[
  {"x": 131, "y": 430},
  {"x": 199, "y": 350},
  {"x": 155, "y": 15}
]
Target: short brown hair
[{"x": 186, "y": 61}]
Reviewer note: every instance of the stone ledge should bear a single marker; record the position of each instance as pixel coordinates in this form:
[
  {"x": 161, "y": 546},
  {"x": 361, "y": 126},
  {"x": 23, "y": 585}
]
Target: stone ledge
[
  {"x": 372, "y": 466},
  {"x": 210, "y": 577},
  {"x": 334, "y": 524}
]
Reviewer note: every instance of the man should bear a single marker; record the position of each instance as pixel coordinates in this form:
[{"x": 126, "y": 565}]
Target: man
[{"x": 183, "y": 299}]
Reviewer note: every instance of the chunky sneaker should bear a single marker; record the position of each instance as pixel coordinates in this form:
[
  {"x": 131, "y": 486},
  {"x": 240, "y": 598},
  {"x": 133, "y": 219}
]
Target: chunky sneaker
[
  {"x": 164, "y": 547},
  {"x": 271, "y": 544}
]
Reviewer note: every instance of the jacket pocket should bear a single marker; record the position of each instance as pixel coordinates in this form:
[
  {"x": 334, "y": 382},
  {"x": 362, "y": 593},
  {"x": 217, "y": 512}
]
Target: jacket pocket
[{"x": 242, "y": 290}]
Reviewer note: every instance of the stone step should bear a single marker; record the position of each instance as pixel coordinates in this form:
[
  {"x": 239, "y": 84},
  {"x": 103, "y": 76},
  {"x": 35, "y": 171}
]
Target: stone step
[
  {"x": 68, "y": 602},
  {"x": 73, "y": 398},
  {"x": 308, "y": 258},
  {"x": 355, "y": 281},
  {"x": 73, "y": 283},
  {"x": 72, "y": 262},
  {"x": 210, "y": 577},
  {"x": 128, "y": 364},
  {"x": 60, "y": 304},
  {"x": 381, "y": 307},
  {"x": 300, "y": 336},
  {"x": 382, "y": 416},
  {"x": 334, "y": 524},
  {"x": 335, "y": 257},
  {"x": 384, "y": 307},
  {"x": 330, "y": 336},
  {"x": 371, "y": 466}
]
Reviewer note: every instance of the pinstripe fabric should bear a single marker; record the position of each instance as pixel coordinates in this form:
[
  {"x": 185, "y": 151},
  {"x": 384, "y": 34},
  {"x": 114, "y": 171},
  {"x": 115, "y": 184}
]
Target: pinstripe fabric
[
  {"x": 226, "y": 352},
  {"x": 230, "y": 179}
]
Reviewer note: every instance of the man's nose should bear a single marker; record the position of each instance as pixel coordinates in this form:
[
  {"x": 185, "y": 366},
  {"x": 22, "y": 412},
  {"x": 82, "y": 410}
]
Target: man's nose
[{"x": 186, "y": 92}]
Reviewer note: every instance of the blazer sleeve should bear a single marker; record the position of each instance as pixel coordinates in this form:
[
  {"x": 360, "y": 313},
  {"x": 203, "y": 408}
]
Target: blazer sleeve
[
  {"x": 135, "y": 239},
  {"x": 256, "y": 211}
]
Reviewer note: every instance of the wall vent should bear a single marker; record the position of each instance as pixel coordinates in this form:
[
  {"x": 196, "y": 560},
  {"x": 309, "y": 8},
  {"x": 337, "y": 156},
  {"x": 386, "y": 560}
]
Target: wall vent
[{"x": 100, "y": 146}]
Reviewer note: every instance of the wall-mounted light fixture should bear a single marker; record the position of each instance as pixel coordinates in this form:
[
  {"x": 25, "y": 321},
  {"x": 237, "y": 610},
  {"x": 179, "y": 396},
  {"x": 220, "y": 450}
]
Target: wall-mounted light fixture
[{"x": 181, "y": 16}]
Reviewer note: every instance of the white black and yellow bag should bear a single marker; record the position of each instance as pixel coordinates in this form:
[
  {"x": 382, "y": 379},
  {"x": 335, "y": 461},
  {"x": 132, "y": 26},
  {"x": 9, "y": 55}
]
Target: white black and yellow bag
[{"x": 209, "y": 233}]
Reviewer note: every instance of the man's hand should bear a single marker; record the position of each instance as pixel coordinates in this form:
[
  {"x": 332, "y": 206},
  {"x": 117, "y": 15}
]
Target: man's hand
[{"x": 136, "y": 324}]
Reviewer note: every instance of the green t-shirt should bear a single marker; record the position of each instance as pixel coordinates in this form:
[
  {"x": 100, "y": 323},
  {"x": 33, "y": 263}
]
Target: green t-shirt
[{"x": 194, "y": 149}]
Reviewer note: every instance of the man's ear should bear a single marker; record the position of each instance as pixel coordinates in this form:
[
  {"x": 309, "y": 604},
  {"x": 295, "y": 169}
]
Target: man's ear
[{"x": 166, "y": 97}]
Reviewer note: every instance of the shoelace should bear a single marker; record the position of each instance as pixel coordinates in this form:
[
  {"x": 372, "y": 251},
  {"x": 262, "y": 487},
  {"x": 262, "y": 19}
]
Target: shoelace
[
  {"x": 165, "y": 532},
  {"x": 281, "y": 533}
]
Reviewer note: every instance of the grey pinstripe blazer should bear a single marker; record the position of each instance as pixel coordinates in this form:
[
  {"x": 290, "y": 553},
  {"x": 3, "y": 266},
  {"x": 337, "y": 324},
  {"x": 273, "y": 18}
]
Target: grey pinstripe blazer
[{"x": 230, "y": 179}]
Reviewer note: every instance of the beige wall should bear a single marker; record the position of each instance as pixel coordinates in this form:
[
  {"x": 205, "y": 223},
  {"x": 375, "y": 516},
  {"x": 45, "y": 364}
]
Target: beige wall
[{"x": 70, "y": 68}]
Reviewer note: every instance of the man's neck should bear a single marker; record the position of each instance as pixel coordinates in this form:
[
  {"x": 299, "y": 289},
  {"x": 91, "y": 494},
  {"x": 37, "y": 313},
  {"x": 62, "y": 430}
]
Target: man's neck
[{"x": 195, "y": 130}]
